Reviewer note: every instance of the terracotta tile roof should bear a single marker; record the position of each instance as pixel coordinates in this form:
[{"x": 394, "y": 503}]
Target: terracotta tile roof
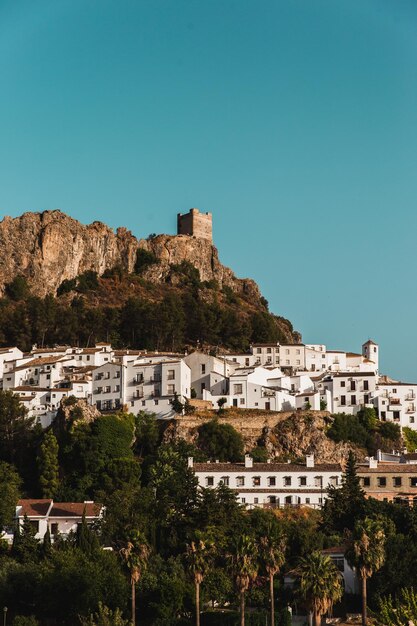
[
  {"x": 34, "y": 508},
  {"x": 265, "y": 467},
  {"x": 389, "y": 468},
  {"x": 75, "y": 509},
  {"x": 334, "y": 550},
  {"x": 294, "y": 490},
  {"x": 351, "y": 374},
  {"x": 46, "y": 360}
]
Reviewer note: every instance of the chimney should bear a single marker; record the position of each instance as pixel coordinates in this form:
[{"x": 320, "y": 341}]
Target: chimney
[
  {"x": 248, "y": 461},
  {"x": 373, "y": 463},
  {"x": 190, "y": 461},
  {"x": 310, "y": 460}
]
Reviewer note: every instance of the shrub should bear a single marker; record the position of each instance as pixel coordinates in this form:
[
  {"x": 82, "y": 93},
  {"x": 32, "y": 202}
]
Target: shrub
[
  {"x": 144, "y": 259},
  {"x": 18, "y": 288},
  {"x": 220, "y": 441}
]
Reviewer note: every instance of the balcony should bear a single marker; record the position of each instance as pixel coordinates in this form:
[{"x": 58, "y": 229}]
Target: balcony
[{"x": 410, "y": 396}]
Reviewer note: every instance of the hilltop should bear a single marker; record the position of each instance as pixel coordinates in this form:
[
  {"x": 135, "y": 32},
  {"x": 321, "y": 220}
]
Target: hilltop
[{"x": 164, "y": 292}]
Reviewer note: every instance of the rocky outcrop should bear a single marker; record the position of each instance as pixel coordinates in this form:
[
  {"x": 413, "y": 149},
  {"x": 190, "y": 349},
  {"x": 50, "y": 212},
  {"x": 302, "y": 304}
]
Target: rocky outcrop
[
  {"x": 49, "y": 247},
  {"x": 172, "y": 250},
  {"x": 285, "y": 435},
  {"x": 73, "y": 411}
]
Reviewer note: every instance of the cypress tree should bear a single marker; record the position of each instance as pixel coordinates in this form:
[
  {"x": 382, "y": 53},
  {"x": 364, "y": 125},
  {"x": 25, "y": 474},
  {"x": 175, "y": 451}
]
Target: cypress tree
[
  {"x": 346, "y": 504},
  {"x": 48, "y": 465}
]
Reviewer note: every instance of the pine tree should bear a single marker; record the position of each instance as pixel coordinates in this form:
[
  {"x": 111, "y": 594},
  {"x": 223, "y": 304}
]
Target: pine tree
[
  {"x": 345, "y": 505},
  {"x": 47, "y": 544},
  {"x": 25, "y": 546},
  {"x": 48, "y": 465}
]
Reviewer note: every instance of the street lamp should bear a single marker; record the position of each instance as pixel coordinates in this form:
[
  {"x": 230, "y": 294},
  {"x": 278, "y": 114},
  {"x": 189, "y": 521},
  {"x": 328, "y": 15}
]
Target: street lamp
[{"x": 4, "y": 615}]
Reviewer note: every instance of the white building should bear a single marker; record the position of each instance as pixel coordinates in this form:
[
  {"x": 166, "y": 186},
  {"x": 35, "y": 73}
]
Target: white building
[
  {"x": 396, "y": 402},
  {"x": 271, "y": 484},
  {"x": 60, "y": 518}
]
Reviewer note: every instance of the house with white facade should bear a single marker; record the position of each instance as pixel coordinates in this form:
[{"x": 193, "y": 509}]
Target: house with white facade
[
  {"x": 271, "y": 484},
  {"x": 396, "y": 402},
  {"x": 61, "y": 518}
]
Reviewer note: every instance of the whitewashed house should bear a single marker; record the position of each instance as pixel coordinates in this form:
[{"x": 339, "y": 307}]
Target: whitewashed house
[
  {"x": 396, "y": 402},
  {"x": 271, "y": 484},
  {"x": 60, "y": 518}
]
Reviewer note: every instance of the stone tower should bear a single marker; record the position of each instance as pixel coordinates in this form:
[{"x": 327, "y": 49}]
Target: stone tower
[{"x": 195, "y": 224}]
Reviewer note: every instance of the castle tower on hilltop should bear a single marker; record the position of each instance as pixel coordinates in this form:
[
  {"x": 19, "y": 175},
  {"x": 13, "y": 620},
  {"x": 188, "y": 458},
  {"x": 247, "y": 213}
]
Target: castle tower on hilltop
[{"x": 195, "y": 224}]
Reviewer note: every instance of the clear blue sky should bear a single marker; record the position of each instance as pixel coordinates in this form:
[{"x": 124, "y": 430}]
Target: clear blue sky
[{"x": 293, "y": 121}]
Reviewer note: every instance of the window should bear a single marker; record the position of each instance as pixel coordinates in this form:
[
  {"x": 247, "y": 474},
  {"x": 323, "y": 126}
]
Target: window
[
  {"x": 397, "y": 481},
  {"x": 203, "y": 386},
  {"x": 343, "y": 383},
  {"x": 107, "y": 389},
  {"x": 171, "y": 390},
  {"x": 366, "y": 385},
  {"x": 271, "y": 481},
  {"x": 334, "y": 480},
  {"x": 240, "y": 481},
  {"x": 413, "y": 481},
  {"x": 237, "y": 389},
  {"x": 307, "y": 500},
  {"x": 382, "y": 481},
  {"x": 396, "y": 416},
  {"x": 209, "y": 481},
  {"x": 117, "y": 388},
  {"x": 353, "y": 400},
  {"x": 54, "y": 529},
  {"x": 171, "y": 375},
  {"x": 287, "y": 351},
  {"x": 383, "y": 416},
  {"x": 242, "y": 401},
  {"x": 35, "y": 525},
  {"x": 366, "y": 481},
  {"x": 224, "y": 480},
  {"x": 256, "y": 481},
  {"x": 297, "y": 351},
  {"x": 258, "y": 350},
  {"x": 156, "y": 402},
  {"x": 287, "y": 362},
  {"x": 256, "y": 500},
  {"x": 203, "y": 369},
  {"x": 318, "y": 481},
  {"x": 298, "y": 362},
  {"x": 246, "y": 361},
  {"x": 287, "y": 481},
  {"x": 366, "y": 398},
  {"x": 243, "y": 500},
  {"x": 339, "y": 562},
  {"x": 343, "y": 400},
  {"x": 268, "y": 350},
  {"x": 302, "y": 481},
  {"x": 353, "y": 385},
  {"x": 394, "y": 391}
]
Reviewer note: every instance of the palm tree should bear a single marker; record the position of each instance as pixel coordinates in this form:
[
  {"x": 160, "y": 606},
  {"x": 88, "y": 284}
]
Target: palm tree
[
  {"x": 199, "y": 557},
  {"x": 272, "y": 557},
  {"x": 135, "y": 555},
  {"x": 366, "y": 553},
  {"x": 244, "y": 562},
  {"x": 320, "y": 584}
]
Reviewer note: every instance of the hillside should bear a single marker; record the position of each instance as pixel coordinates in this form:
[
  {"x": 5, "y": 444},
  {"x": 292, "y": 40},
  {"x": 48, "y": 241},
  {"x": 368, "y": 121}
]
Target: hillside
[{"x": 64, "y": 282}]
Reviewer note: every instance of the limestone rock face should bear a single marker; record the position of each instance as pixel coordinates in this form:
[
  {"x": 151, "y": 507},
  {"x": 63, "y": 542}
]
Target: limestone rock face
[
  {"x": 49, "y": 247},
  {"x": 172, "y": 250}
]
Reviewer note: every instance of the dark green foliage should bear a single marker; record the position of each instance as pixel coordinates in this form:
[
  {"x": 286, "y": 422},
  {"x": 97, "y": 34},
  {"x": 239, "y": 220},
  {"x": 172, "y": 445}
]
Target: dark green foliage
[
  {"x": 48, "y": 466},
  {"x": 345, "y": 505},
  {"x": 220, "y": 441},
  {"x": 87, "y": 540},
  {"x": 190, "y": 276},
  {"x": 88, "y": 281},
  {"x": 147, "y": 433},
  {"x": 259, "y": 454},
  {"x": 25, "y": 620},
  {"x": 17, "y": 289},
  {"x": 10, "y": 485},
  {"x": 144, "y": 259},
  {"x": 25, "y": 546},
  {"x": 67, "y": 285},
  {"x": 410, "y": 437},
  {"x": 364, "y": 430}
]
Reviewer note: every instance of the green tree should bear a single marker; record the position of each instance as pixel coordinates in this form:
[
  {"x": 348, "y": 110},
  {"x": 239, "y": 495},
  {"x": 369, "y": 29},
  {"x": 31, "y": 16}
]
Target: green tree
[
  {"x": 135, "y": 554},
  {"x": 146, "y": 433},
  {"x": 244, "y": 565},
  {"x": 87, "y": 540},
  {"x": 15, "y": 427},
  {"x": 48, "y": 465},
  {"x": 10, "y": 484},
  {"x": 345, "y": 504},
  {"x": 221, "y": 402},
  {"x": 18, "y": 288},
  {"x": 272, "y": 548},
  {"x": 25, "y": 546},
  {"x": 320, "y": 584},
  {"x": 402, "y": 610},
  {"x": 366, "y": 553},
  {"x": 200, "y": 554},
  {"x": 25, "y": 620},
  {"x": 220, "y": 441},
  {"x": 105, "y": 617}
]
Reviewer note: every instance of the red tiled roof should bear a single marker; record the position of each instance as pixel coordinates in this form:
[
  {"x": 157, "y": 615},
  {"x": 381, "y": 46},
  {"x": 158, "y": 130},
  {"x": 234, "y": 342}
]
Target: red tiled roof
[
  {"x": 34, "y": 508},
  {"x": 265, "y": 467},
  {"x": 75, "y": 509}
]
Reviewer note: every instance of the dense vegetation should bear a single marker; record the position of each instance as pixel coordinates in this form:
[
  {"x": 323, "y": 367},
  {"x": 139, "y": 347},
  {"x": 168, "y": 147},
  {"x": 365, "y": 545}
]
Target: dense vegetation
[
  {"x": 131, "y": 312},
  {"x": 176, "y": 545}
]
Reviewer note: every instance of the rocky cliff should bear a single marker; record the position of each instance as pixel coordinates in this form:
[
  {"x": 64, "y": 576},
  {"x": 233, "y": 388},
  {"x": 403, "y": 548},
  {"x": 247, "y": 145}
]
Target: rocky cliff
[
  {"x": 49, "y": 247},
  {"x": 285, "y": 435}
]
